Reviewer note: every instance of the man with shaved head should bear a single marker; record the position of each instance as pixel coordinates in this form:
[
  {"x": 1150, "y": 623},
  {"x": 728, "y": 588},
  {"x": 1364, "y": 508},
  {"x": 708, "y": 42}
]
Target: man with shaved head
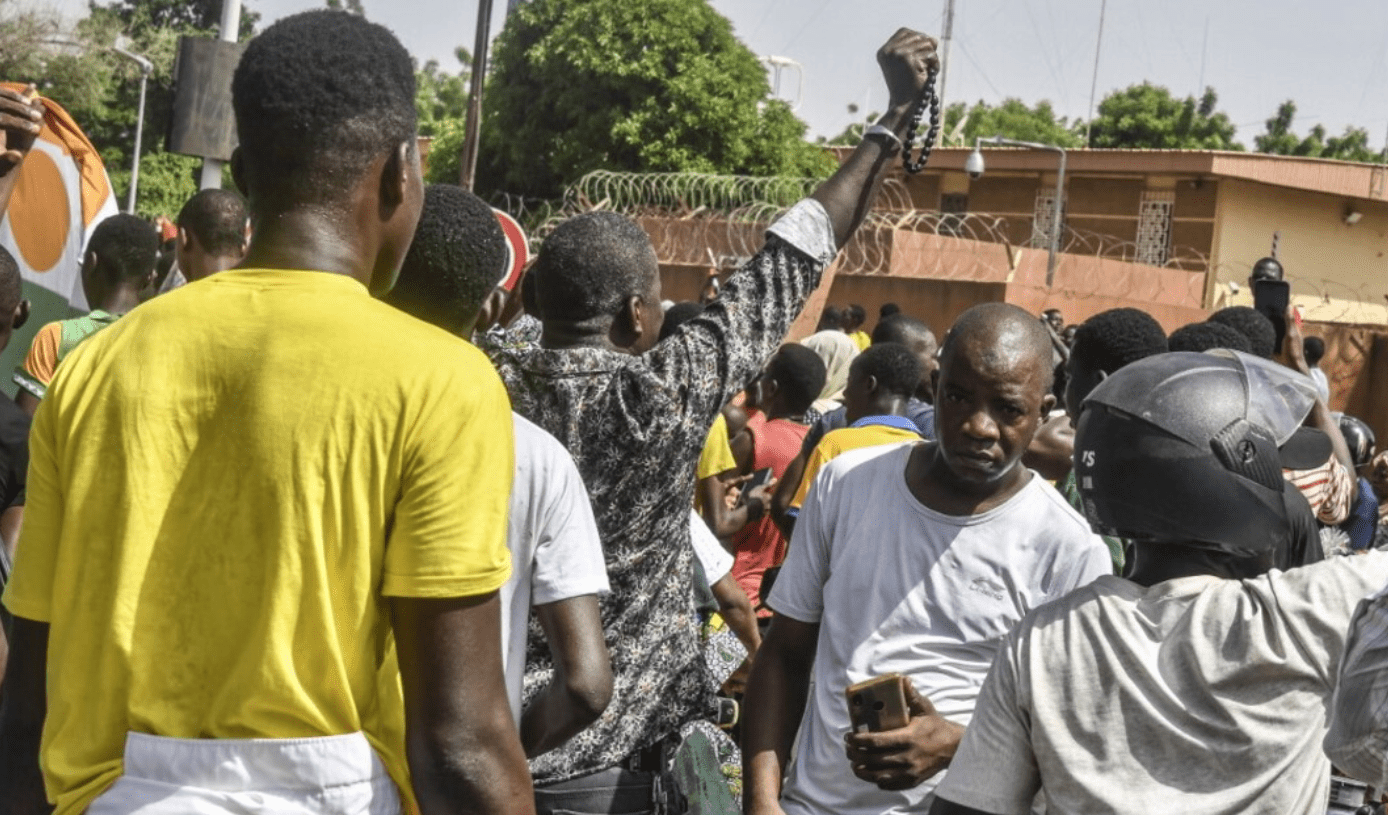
[{"x": 916, "y": 560}]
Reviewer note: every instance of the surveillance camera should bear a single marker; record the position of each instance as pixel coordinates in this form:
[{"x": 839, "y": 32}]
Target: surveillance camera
[{"x": 974, "y": 164}]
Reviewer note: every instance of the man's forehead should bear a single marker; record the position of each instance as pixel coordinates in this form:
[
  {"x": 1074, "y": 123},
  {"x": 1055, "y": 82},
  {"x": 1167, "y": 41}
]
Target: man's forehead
[{"x": 1000, "y": 362}]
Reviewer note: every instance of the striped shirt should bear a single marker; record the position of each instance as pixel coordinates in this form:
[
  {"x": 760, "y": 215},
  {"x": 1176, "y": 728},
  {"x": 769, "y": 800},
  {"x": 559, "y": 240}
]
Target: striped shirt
[{"x": 1329, "y": 489}]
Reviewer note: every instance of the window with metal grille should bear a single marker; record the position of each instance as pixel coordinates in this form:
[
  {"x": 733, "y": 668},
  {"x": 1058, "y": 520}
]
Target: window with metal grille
[
  {"x": 953, "y": 207},
  {"x": 1044, "y": 217},
  {"x": 1154, "y": 226}
]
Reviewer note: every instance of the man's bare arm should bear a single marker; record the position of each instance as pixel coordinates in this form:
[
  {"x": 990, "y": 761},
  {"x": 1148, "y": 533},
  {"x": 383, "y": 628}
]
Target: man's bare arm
[
  {"x": 777, "y": 693},
  {"x": 581, "y": 687},
  {"x": 848, "y": 195},
  {"x": 463, "y": 747},
  {"x": 25, "y": 703},
  {"x": 785, "y": 493}
]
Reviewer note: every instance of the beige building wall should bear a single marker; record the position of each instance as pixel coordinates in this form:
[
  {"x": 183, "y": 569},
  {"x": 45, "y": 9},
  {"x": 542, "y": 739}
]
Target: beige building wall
[{"x": 1339, "y": 273}]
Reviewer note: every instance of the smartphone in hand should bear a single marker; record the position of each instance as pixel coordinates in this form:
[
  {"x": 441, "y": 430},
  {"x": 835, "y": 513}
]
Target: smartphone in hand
[
  {"x": 1270, "y": 299},
  {"x": 878, "y": 704},
  {"x": 759, "y": 478}
]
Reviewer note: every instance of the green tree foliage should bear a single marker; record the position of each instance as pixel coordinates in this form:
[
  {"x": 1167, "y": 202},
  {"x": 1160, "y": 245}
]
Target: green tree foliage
[
  {"x": 441, "y": 97},
  {"x": 1278, "y": 138},
  {"x": 1012, "y": 119},
  {"x": 1147, "y": 115},
  {"x": 636, "y": 85}
]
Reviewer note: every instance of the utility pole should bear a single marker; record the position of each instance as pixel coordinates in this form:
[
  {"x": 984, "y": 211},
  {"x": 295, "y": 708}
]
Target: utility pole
[
  {"x": 211, "y": 177},
  {"x": 946, "y": 35},
  {"x": 472, "y": 127},
  {"x": 1094, "y": 82}
]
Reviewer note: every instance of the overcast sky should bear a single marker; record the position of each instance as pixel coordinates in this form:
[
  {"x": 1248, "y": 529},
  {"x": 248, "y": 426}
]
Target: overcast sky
[{"x": 1329, "y": 57}]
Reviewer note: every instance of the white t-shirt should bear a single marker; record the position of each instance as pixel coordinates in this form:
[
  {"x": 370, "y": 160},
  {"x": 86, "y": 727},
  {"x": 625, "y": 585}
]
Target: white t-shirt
[
  {"x": 716, "y": 560},
  {"x": 898, "y": 587},
  {"x": 556, "y": 553},
  {"x": 1197, "y": 695}
]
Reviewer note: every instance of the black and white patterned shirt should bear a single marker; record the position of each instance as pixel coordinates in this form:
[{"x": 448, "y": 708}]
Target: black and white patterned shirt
[{"x": 635, "y": 425}]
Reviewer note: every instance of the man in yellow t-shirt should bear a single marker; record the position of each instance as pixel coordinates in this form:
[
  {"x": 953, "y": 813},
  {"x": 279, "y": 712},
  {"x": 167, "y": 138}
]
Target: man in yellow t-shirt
[
  {"x": 880, "y": 382},
  {"x": 248, "y": 496}
]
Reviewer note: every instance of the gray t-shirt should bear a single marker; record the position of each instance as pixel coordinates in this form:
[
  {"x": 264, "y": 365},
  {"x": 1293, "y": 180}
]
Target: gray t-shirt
[{"x": 1197, "y": 695}]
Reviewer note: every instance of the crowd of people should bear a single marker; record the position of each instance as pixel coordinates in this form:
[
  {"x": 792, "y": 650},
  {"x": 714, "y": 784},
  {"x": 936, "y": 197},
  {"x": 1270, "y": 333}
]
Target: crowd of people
[{"x": 321, "y": 510}]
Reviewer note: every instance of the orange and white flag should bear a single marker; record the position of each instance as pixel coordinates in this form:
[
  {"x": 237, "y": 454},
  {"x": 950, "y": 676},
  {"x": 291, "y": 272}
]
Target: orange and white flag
[{"x": 62, "y": 193}]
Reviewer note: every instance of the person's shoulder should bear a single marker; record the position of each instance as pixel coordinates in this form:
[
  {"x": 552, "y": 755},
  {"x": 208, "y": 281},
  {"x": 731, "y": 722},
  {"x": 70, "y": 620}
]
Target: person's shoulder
[
  {"x": 1102, "y": 597},
  {"x": 536, "y": 444},
  {"x": 1352, "y": 575},
  {"x": 1061, "y": 517},
  {"x": 866, "y": 462}
]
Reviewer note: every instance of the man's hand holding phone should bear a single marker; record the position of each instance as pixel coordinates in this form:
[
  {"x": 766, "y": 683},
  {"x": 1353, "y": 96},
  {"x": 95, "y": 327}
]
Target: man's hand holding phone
[{"x": 903, "y": 758}]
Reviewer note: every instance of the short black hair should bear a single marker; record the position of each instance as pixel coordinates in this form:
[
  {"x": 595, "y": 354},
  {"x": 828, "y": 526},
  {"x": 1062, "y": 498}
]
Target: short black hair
[
  {"x": 11, "y": 284},
  {"x": 319, "y": 96},
  {"x": 590, "y": 264},
  {"x": 800, "y": 375},
  {"x": 1314, "y": 350},
  {"x": 457, "y": 257},
  {"x": 679, "y": 314},
  {"x": 217, "y": 218},
  {"x": 1111, "y": 339},
  {"x": 830, "y": 319},
  {"x": 857, "y": 313},
  {"x": 126, "y": 247},
  {"x": 902, "y": 329},
  {"x": 1206, "y": 337},
  {"x": 1262, "y": 337},
  {"x": 896, "y": 369},
  {"x": 887, "y": 310}
]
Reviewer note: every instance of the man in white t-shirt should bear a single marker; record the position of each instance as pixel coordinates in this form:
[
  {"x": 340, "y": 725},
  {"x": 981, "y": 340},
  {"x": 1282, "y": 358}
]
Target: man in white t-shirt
[
  {"x": 451, "y": 278},
  {"x": 1200, "y": 685},
  {"x": 917, "y": 560}
]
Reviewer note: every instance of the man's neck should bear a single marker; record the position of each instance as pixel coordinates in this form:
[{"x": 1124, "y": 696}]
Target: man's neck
[
  {"x": 890, "y": 406},
  {"x": 310, "y": 239},
  {"x": 933, "y": 484},
  {"x": 1155, "y": 563},
  {"x": 118, "y": 301},
  {"x": 561, "y": 335}
]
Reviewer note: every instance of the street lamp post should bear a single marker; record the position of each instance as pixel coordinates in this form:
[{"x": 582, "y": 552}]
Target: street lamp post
[
  {"x": 974, "y": 166},
  {"x": 146, "y": 67}
]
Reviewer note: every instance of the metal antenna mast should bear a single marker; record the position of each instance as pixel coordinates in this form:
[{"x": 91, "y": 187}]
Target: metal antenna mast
[
  {"x": 1094, "y": 83},
  {"x": 946, "y": 34}
]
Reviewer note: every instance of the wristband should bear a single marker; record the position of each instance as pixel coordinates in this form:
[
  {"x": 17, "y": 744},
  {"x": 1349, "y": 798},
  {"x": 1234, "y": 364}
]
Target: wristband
[{"x": 880, "y": 130}]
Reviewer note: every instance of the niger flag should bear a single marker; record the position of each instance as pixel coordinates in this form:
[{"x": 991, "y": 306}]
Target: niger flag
[{"x": 61, "y": 195}]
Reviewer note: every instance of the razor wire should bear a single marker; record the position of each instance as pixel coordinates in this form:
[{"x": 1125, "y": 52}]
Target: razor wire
[{"x": 719, "y": 221}]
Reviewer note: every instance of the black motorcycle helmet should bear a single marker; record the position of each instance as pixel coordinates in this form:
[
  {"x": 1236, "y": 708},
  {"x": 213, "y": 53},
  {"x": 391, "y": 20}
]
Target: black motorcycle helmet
[
  {"x": 1360, "y": 438},
  {"x": 1183, "y": 448}
]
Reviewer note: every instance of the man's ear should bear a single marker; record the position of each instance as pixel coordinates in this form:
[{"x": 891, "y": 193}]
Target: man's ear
[
  {"x": 871, "y": 384},
  {"x": 631, "y": 318},
  {"x": 246, "y": 238},
  {"x": 492, "y": 307},
  {"x": 20, "y": 316},
  {"x": 89, "y": 262},
  {"x": 238, "y": 172},
  {"x": 1047, "y": 405},
  {"x": 935, "y": 384},
  {"x": 395, "y": 177},
  {"x": 185, "y": 239}
]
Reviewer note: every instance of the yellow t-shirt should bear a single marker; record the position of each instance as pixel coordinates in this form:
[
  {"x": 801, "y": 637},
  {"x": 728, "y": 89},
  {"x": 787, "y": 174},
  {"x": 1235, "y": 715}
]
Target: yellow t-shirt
[
  {"x": 210, "y": 487},
  {"x": 717, "y": 456},
  {"x": 837, "y": 442},
  {"x": 861, "y": 339}
]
